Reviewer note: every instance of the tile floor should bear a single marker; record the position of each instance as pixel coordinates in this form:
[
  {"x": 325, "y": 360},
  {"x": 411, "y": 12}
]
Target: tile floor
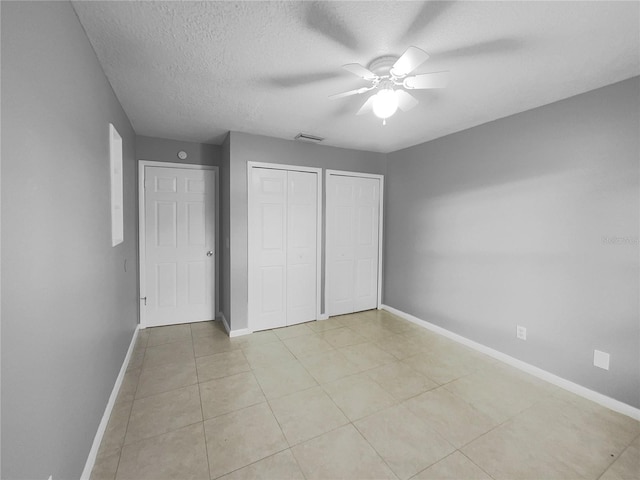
[{"x": 360, "y": 396}]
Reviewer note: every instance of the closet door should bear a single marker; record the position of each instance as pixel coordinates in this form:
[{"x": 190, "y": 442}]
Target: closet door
[
  {"x": 302, "y": 208},
  {"x": 283, "y": 249},
  {"x": 353, "y": 217},
  {"x": 268, "y": 248}
]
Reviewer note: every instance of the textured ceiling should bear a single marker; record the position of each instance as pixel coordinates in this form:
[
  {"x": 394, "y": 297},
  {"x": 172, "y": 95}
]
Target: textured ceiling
[{"x": 195, "y": 70}]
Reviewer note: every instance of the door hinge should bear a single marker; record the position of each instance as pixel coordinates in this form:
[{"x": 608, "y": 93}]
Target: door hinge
[{"x": 145, "y": 300}]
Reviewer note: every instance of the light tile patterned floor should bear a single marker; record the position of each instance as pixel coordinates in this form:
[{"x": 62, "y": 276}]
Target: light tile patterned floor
[{"x": 360, "y": 396}]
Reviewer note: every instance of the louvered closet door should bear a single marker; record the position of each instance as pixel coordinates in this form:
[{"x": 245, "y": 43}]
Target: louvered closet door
[
  {"x": 353, "y": 212},
  {"x": 282, "y": 247}
]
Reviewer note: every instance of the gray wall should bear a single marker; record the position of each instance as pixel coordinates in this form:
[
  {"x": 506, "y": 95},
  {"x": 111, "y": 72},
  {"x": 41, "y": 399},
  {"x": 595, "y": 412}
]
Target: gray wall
[
  {"x": 508, "y": 223},
  {"x": 246, "y": 148},
  {"x": 69, "y": 308},
  {"x": 163, "y": 150}
]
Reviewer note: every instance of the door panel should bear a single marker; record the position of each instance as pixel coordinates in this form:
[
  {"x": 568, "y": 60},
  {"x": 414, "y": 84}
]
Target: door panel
[
  {"x": 267, "y": 245},
  {"x": 167, "y": 224},
  {"x": 341, "y": 286},
  {"x": 302, "y": 211},
  {"x": 340, "y": 251},
  {"x": 366, "y": 249},
  {"x": 196, "y": 225},
  {"x": 272, "y": 282},
  {"x": 166, "y": 282},
  {"x": 353, "y": 208},
  {"x": 282, "y": 247},
  {"x": 179, "y": 231},
  {"x": 196, "y": 281}
]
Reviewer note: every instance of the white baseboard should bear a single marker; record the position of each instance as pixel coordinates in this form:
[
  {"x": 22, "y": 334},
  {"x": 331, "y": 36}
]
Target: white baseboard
[
  {"x": 239, "y": 332},
  {"x": 599, "y": 398},
  {"x": 324, "y": 316},
  {"x": 233, "y": 333},
  {"x": 93, "y": 453}
]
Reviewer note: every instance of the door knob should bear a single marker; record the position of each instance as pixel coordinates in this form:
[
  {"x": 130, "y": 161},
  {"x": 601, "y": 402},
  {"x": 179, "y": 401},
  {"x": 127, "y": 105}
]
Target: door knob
[{"x": 209, "y": 253}]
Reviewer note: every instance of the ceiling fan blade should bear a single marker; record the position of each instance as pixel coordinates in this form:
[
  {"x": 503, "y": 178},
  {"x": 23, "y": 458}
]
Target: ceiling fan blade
[
  {"x": 488, "y": 47},
  {"x": 367, "y": 107},
  {"x": 360, "y": 71},
  {"x": 351, "y": 92},
  {"x": 406, "y": 101},
  {"x": 411, "y": 59},
  {"x": 427, "y": 80},
  {"x": 298, "y": 80},
  {"x": 319, "y": 17},
  {"x": 424, "y": 18}
]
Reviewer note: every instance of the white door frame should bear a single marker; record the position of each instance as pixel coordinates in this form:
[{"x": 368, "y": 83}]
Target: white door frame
[
  {"x": 343, "y": 173},
  {"x": 251, "y": 255},
  {"x": 142, "y": 234}
]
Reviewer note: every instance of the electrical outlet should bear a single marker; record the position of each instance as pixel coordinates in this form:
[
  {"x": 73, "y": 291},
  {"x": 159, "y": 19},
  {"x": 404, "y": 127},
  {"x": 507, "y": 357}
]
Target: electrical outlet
[
  {"x": 521, "y": 332},
  {"x": 601, "y": 359}
]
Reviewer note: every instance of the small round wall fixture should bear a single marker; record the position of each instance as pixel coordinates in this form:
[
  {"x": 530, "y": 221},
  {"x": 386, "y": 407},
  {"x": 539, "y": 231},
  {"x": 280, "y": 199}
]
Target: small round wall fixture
[{"x": 182, "y": 155}]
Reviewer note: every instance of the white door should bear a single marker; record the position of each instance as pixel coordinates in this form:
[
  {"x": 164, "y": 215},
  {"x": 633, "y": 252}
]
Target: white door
[
  {"x": 353, "y": 217},
  {"x": 302, "y": 222},
  {"x": 282, "y": 247},
  {"x": 179, "y": 228}
]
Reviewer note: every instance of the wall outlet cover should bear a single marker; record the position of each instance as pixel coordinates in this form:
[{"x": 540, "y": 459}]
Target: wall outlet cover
[
  {"x": 521, "y": 332},
  {"x": 601, "y": 359}
]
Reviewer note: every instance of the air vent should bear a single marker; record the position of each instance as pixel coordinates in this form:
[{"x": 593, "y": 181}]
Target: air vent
[{"x": 306, "y": 137}]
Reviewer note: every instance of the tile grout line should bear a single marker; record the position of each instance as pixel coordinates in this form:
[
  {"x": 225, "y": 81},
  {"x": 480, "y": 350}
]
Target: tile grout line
[
  {"x": 121, "y": 448},
  {"x": 465, "y": 456},
  {"x": 352, "y": 422},
  {"x": 204, "y": 432},
  {"x": 289, "y": 447},
  {"x": 134, "y": 400},
  {"x": 374, "y": 448},
  {"x": 618, "y": 457}
]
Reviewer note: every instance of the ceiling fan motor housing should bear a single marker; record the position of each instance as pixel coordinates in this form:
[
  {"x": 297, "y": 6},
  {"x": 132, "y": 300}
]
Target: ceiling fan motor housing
[{"x": 381, "y": 66}]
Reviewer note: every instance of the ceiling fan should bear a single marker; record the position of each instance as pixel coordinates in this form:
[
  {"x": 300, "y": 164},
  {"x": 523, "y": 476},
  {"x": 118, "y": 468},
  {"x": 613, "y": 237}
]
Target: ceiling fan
[{"x": 390, "y": 76}]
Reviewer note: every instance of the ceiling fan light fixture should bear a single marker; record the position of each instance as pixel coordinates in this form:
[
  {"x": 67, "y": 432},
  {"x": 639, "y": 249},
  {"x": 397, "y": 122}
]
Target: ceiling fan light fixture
[
  {"x": 409, "y": 83},
  {"x": 392, "y": 78},
  {"x": 385, "y": 103}
]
